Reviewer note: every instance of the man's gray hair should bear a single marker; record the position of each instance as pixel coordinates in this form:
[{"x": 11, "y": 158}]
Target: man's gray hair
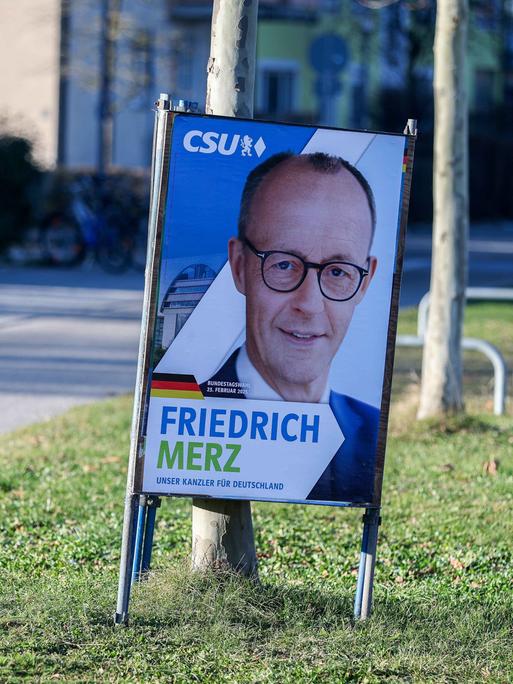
[{"x": 321, "y": 162}]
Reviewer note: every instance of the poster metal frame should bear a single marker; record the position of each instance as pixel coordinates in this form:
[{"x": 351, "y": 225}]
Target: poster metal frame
[{"x": 134, "y": 560}]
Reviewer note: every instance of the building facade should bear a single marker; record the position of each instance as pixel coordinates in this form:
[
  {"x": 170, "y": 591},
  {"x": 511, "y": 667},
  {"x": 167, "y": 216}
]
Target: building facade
[{"x": 85, "y": 72}]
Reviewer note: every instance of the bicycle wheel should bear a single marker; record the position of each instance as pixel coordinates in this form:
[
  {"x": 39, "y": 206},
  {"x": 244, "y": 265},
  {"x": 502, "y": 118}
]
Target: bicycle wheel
[
  {"x": 113, "y": 253},
  {"x": 62, "y": 243}
]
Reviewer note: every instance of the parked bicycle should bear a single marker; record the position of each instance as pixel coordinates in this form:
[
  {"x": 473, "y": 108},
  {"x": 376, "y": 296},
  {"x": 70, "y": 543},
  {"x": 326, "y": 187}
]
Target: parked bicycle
[{"x": 99, "y": 221}]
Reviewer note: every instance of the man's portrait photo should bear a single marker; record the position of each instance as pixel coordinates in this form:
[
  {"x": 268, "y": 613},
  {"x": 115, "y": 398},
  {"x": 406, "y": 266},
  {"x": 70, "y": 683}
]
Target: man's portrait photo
[{"x": 276, "y": 283}]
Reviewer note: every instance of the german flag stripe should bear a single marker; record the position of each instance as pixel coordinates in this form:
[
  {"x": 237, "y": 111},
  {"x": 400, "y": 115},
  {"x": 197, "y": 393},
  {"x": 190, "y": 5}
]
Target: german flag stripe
[
  {"x": 186, "y": 386},
  {"x": 175, "y": 394},
  {"x": 173, "y": 377}
]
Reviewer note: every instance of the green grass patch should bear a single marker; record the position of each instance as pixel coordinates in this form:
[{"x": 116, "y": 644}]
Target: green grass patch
[{"x": 443, "y": 594}]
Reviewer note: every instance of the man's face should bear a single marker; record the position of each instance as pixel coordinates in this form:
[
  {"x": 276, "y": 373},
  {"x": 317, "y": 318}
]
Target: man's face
[{"x": 292, "y": 337}]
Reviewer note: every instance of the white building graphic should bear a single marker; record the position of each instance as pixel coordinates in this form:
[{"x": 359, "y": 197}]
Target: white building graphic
[{"x": 180, "y": 300}]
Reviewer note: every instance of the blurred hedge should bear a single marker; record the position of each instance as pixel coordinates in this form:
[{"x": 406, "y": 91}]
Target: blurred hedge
[{"x": 20, "y": 184}]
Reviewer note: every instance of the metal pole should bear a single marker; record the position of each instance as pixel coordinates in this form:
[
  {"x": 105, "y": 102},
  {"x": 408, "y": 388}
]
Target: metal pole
[
  {"x": 127, "y": 554},
  {"x": 132, "y": 499},
  {"x": 361, "y": 572},
  {"x": 152, "y": 504},
  {"x": 363, "y": 598},
  {"x": 148, "y": 505},
  {"x": 139, "y": 537}
]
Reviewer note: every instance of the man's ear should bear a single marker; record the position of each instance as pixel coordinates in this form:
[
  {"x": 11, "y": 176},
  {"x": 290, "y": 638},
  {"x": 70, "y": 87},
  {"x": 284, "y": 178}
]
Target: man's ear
[
  {"x": 373, "y": 264},
  {"x": 237, "y": 263}
]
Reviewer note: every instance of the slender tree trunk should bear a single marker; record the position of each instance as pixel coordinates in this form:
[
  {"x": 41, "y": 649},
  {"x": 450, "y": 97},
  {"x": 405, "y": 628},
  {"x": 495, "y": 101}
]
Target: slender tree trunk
[
  {"x": 231, "y": 67},
  {"x": 222, "y": 531},
  {"x": 441, "y": 390},
  {"x": 64, "y": 64},
  {"x": 110, "y": 10}
]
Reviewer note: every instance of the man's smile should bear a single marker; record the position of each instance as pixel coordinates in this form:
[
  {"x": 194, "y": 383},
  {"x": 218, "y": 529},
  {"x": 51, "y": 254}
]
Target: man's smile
[{"x": 302, "y": 337}]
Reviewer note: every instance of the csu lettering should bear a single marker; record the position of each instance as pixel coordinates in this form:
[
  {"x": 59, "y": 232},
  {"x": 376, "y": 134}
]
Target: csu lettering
[
  {"x": 224, "y": 143},
  {"x": 209, "y": 142}
]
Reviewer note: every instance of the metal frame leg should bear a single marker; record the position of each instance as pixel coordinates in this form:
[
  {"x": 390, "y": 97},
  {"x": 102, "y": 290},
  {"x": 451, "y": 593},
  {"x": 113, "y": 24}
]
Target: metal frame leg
[
  {"x": 139, "y": 538},
  {"x": 364, "y": 587},
  {"x": 126, "y": 562},
  {"x": 152, "y": 504}
]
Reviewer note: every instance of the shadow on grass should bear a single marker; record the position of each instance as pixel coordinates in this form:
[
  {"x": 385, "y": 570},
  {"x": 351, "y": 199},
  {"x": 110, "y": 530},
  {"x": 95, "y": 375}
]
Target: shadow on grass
[
  {"x": 177, "y": 597},
  {"x": 234, "y": 625},
  {"x": 447, "y": 426}
]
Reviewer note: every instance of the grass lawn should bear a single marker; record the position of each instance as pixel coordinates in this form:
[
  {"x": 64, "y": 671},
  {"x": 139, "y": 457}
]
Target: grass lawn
[{"x": 443, "y": 608}]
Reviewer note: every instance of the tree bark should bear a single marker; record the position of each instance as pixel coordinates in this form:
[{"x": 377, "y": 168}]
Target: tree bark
[
  {"x": 222, "y": 531},
  {"x": 231, "y": 67},
  {"x": 441, "y": 388}
]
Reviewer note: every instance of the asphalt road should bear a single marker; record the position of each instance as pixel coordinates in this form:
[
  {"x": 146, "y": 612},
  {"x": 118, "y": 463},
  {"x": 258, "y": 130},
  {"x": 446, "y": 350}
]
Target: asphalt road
[
  {"x": 490, "y": 261},
  {"x": 69, "y": 337}
]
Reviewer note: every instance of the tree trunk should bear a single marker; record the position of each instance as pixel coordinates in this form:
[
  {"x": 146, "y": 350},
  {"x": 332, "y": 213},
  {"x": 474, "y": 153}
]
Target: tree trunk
[
  {"x": 110, "y": 10},
  {"x": 441, "y": 389},
  {"x": 222, "y": 531},
  {"x": 231, "y": 67}
]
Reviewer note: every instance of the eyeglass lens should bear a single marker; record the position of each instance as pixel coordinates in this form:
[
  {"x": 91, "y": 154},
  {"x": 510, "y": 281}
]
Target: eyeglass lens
[{"x": 284, "y": 272}]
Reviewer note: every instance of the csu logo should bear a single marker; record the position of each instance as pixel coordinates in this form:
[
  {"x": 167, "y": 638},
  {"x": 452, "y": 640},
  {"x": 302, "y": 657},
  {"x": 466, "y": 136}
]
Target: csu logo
[{"x": 210, "y": 142}]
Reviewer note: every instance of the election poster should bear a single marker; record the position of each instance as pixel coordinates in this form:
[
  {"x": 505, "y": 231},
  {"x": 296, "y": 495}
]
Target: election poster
[{"x": 271, "y": 346}]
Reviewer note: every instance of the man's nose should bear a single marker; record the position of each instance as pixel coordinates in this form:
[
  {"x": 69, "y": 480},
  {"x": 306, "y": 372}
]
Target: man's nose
[{"x": 308, "y": 296}]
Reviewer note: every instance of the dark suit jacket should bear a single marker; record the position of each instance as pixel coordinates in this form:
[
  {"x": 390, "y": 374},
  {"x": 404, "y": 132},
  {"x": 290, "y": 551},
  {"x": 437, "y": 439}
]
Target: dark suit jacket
[{"x": 349, "y": 476}]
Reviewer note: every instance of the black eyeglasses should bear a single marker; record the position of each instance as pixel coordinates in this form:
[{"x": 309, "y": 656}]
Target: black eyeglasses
[{"x": 285, "y": 271}]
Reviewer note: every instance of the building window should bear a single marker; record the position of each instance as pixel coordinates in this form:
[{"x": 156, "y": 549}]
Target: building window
[
  {"x": 276, "y": 89},
  {"x": 484, "y": 82},
  {"x": 508, "y": 88},
  {"x": 159, "y": 331},
  {"x": 359, "y": 98},
  {"x": 181, "y": 320},
  {"x": 140, "y": 75},
  {"x": 486, "y": 13}
]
